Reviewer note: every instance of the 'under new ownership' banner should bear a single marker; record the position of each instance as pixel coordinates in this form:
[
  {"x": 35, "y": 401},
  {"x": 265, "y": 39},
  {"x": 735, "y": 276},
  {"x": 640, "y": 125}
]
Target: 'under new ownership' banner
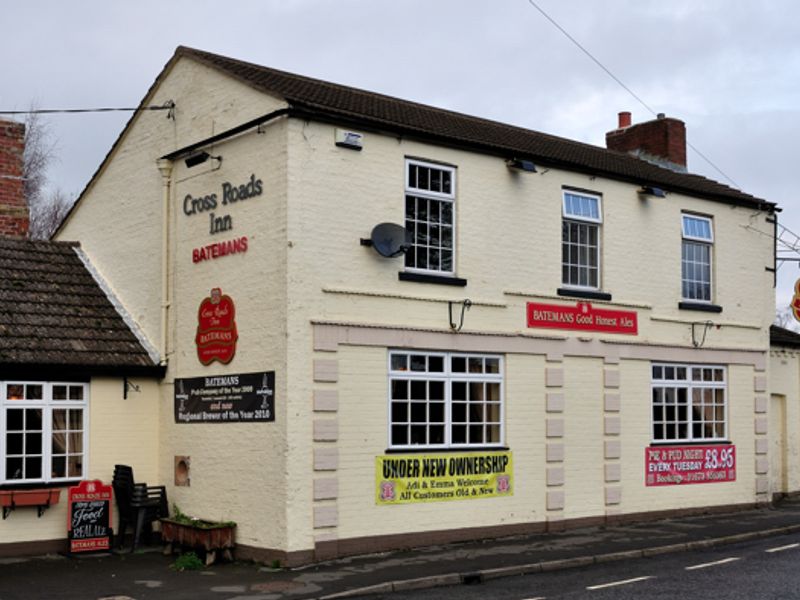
[{"x": 403, "y": 479}]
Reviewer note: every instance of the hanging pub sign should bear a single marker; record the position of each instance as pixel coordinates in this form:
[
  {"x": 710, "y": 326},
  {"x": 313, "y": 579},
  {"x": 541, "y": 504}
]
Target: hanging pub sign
[
  {"x": 216, "y": 329},
  {"x": 242, "y": 398},
  {"x": 796, "y": 301},
  {"x": 678, "y": 465},
  {"x": 406, "y": 479},
  {"x": 89, "y": 517},
  {"x": 582, "y": 317}
]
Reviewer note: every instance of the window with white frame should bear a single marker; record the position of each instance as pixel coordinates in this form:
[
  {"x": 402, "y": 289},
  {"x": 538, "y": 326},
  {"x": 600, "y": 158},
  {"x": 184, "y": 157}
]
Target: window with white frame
[
  {"x": 580, "y": 240},
  {"x": 689, "y": 403},
  {"x": 429, "y": 217},
  {"x": 698, "y": 239},
  {"x": 42, "y": 431},
  {"x": 443, "y": 400}
]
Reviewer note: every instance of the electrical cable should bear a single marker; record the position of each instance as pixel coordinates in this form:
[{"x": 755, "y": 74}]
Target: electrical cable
[
  {"x": 625, "y": 87},
  {"x": 50, "y": 111}
]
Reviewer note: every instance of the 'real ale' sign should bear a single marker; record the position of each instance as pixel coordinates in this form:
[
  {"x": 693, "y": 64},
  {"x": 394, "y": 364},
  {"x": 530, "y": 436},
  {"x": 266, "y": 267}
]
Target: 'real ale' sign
[{"x": 582, "y": 317}]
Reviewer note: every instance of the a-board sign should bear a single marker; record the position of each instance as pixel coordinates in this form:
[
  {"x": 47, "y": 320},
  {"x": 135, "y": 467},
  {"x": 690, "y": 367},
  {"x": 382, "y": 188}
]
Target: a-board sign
[
  {"x": 89, "y": 517},
  {"x": 244, "y": 397}
]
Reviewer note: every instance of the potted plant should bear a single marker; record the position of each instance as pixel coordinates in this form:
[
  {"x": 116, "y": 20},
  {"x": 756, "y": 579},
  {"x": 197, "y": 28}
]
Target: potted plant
[{"x": 184, "y": 532}]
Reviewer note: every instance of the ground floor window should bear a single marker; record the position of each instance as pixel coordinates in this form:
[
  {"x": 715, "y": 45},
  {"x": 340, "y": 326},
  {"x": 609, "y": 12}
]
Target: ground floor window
[
  {"x": 689, "y": 403},
  {"x": 444, "y": 400},
  {"x": 42, "y": 428}
]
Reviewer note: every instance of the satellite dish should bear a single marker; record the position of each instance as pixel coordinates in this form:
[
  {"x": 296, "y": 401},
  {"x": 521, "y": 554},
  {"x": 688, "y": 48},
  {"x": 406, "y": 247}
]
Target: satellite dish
[{"x": 390, "y": 239}]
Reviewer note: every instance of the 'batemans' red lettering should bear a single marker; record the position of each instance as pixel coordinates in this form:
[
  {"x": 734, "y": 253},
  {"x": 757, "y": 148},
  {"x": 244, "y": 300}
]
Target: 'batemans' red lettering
[{"x": 219, "y": 249}]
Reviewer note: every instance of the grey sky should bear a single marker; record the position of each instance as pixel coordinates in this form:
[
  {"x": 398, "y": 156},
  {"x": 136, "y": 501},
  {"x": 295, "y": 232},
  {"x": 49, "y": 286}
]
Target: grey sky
[{"x": 729, "y": 68}]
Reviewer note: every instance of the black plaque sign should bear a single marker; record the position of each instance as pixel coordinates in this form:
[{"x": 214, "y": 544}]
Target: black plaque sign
[{"x": 242, "y": 398}]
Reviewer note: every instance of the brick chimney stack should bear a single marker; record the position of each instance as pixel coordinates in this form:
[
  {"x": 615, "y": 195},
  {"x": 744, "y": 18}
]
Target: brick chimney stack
[
  {"x": 14, "y": 217},
  {"x": 661, "y": 141}
]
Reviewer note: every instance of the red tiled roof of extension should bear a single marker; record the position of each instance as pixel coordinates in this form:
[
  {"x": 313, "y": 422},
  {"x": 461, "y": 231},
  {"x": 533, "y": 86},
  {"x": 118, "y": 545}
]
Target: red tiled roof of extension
[
  {"x": 54, "y": 313},
  {"x": 338, "y": 101}
]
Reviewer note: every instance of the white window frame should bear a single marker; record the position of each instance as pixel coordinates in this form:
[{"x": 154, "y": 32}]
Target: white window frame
[
  {"x": 597, "y": 222},
  {"x": 699, "y": 240},
  {"x": 47, "y": 405},
  {"x": 448, "y": 377},
  {"x": 690, "y": 384},
  {"x": 432, "y": 195}
]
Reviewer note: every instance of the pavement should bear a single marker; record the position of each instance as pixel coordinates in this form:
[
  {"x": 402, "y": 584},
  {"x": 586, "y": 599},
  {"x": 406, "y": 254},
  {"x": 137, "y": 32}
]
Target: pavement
[{"x": 149, "y": 574}]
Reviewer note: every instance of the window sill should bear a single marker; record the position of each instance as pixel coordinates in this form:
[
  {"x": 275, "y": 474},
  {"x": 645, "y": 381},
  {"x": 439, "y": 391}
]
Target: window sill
[
  {"x": 584, "y": 294},
  {"x": 12, "y": 486},
  {"x": 424, "y": 278},
  {"x": 428, "y": 450},
  {"x": 700, "y": 306},
  {"x": 692, "y": 443}
]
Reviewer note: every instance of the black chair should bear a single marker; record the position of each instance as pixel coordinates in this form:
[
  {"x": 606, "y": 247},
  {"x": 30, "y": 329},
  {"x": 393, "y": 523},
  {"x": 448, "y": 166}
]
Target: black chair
[{"x": 139, "y": 505}]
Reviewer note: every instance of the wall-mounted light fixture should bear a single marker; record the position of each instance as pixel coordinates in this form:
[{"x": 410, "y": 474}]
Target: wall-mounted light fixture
[
  {"x": 199, "y": 158},
  {"x": 651, "y": 190},
  {"x": 521, "y": 165}
]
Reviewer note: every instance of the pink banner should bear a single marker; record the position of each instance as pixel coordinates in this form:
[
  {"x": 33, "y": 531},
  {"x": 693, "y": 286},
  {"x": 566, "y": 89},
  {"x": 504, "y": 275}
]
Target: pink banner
[{"x": 678, "y": 465}]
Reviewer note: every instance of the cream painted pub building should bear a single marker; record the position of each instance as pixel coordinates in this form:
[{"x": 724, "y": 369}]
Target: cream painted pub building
[{"x": 565, "y": 333}]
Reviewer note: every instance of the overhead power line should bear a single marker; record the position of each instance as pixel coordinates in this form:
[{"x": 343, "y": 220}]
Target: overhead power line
[
  {"x": 622, "y": 85},
  {"x": 49, "y": 111}
]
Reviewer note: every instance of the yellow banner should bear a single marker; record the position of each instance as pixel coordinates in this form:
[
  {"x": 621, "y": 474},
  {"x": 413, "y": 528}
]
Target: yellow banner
[{"x": 411, "y": 478}]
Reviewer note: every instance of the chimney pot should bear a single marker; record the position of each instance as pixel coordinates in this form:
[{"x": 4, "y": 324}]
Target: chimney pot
[{"x": 624, "y": 120}]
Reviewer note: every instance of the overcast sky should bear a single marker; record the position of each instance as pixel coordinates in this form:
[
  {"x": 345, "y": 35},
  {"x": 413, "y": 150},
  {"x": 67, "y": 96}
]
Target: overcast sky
[{"x": 729, "y": 68}]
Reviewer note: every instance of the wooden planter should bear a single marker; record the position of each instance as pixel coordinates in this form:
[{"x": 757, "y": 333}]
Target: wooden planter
[
  {"x": 206, "y": 536},
  {"x": 40, "y": 498}
]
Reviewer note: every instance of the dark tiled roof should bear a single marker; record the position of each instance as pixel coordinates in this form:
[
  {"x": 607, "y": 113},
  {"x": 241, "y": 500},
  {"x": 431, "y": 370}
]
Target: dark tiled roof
[
  {"x": 53, "y": 312},
  {"x": 778, "y": 336},
  {"x": 337, "y": 101}
]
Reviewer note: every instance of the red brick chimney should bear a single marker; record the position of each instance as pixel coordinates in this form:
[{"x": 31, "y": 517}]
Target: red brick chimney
[
  {"x": 14, "y": 217},
  {"x": 661, "y": 141}
]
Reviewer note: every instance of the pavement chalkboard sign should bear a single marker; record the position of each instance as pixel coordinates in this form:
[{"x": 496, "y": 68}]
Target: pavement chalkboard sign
[{"x": 89, "y": 517}]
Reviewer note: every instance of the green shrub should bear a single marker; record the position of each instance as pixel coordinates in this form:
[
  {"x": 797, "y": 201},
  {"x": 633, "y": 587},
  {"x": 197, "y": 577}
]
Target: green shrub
[{"x": 188, "y": 562}]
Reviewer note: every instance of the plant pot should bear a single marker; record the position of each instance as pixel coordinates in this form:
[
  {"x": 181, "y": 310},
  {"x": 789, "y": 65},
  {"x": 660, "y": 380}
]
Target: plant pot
[
  {"x": 41, "y": 498},
  {"x": 206, "y": 536}
]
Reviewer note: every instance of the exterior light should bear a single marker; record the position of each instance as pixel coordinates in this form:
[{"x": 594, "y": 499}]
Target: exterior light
[
  {"x": 522, "y": 165},
  {"x": 199, "y": 158},
  {"x": 649, "y": 190}
]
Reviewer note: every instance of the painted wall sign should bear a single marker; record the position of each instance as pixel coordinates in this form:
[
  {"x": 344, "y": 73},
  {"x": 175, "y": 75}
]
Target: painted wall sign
[
  {"x": 220, "y": 249},
  {"x": 405, "y": 479},
  {"x": 89, "y": 517},
  {"x": 229, "y": 195},
  {"x": 216, "y": 329},
  {"x": 242, "y": 398},
  {"x": 796, "y": 301},
  {"x": 678, "y": 465},
  {"x": 582, "y": 317}
]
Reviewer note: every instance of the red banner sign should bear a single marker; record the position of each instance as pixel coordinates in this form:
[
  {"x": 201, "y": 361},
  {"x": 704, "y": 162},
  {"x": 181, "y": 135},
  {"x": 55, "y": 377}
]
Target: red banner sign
[
  {"x": 582, "y": 317},
  {"x": 216, "y": 329},
  {"x": 89, "y": 517},
  {"x": 678, "y": 465}
]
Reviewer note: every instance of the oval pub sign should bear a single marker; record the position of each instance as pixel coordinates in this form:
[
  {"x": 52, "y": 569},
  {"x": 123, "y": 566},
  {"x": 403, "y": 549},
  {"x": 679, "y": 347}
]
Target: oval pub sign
[{"x": 216, "y": 329}]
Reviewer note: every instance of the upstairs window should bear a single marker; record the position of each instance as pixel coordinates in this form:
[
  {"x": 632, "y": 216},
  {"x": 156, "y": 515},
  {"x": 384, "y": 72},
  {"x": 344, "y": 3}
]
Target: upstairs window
[
  {"x": 42, "y": 431},
  {"x": 698, "y": 240},
  {"x": 580, "y": 240},
  {"x": 430, "y": 198}
]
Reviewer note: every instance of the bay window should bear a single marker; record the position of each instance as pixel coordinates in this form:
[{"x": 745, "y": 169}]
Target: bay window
[
  {"x": 445, "y": 400},
  {"x": 689, "y": 403}
]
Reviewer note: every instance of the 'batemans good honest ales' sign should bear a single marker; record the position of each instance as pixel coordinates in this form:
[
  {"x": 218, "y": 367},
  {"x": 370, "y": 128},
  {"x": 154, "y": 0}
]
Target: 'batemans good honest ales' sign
[
  {"x": 404, "y": 479},
  {"x": 678, "y": 465},
  {"x": 582, "y": 317},
  {"x": 246, "y": 397}
]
